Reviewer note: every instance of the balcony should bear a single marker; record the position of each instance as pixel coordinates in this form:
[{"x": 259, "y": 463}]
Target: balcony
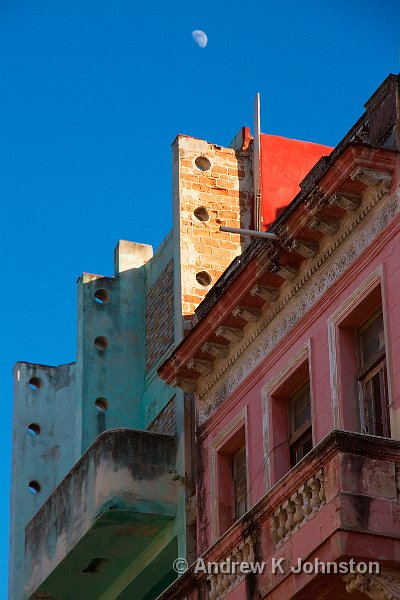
[
  {"x": 341, "y": 502},
  {"x": 103, "y": 517}
]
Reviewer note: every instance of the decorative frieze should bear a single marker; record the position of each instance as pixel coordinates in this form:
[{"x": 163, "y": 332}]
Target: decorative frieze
[
  {"x": 223, "y": 583},
  {"x": 298, "y": 509},
  {"x": 377, "y": 586}
]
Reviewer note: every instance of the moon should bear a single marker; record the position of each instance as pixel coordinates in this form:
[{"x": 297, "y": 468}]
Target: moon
[{"x": 200, "y": 38}]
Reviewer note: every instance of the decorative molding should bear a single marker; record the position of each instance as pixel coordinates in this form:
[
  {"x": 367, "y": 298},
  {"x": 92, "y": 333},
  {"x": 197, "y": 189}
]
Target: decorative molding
[
  {"x": 379, "y": 586},
  {"x": 301, "y": 296}
]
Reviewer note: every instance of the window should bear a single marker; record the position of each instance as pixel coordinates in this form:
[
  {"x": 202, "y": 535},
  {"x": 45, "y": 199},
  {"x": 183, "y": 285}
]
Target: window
[
  {"x": 300, "y": 431},
  {"x": 288, "y": 416},
  {"x": 229, "y": 475},
  {"x": 239, "y": 480},
  {"x": 372, "y": 377}
]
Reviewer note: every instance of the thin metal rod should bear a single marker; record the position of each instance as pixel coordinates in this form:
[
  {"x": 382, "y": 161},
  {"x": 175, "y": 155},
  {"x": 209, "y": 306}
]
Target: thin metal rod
[{"x": 250, "y": 232}]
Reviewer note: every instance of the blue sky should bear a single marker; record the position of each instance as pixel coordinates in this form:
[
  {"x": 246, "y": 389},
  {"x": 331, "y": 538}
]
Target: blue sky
[{"x": 93, "y": 94}]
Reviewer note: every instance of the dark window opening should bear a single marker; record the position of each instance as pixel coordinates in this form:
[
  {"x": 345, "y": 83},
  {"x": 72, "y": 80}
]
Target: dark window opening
[
  {"x": 300, "y": 429},
  {"x": 372, "y": 377}
]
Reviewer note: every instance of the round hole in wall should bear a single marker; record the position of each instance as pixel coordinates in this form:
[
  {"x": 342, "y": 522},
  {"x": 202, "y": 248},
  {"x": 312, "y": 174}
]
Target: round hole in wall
[
  {"x": 201, "y": 213},
  {"x": 101, "y": 296},
  {"x": 203, "y": 278},
  {"x": 101, "y": 343},
  {"x": 34, "y": 487},
  {"x": 101, "y": 404},
  {"x": 34, "y": 429},
  {"x": 35, "y": 383},
  {"x": 202, "y": 163}
]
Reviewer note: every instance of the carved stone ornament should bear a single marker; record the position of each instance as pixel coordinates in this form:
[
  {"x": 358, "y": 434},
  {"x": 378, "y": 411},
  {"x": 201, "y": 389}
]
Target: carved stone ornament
[
  {"x": 326, "y": 226},
  {"x": 380, "y": 586},
  {"x": 348, "y": 202},
  {"x": 371, "y": 177},
  {"x": 304, "y": 248},
  {"x": 266, "y": 292}
]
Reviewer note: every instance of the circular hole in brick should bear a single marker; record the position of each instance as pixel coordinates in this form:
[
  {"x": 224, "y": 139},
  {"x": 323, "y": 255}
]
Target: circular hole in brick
[
  {"x": 34, "y": 487},
  {"x": 201, "y": 213},
  {"x": 34, "y": 429},
  {"x": 101, "y": 296},
  {"x": 101, "y": 404},
  {"x": 202, "y": 163},
  {"x": 101, "y": 343},
  {"x": 203, "y": 278},
  {"x": 35, "y": 383}
]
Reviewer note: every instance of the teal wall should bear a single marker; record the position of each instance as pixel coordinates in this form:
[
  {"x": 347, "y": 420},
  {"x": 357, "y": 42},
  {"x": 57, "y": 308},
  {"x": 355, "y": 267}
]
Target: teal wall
[{"x": 64, "y": 406}]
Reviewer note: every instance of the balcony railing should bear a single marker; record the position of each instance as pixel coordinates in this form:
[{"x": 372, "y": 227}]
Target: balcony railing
[{"x": 327, "y": 507}]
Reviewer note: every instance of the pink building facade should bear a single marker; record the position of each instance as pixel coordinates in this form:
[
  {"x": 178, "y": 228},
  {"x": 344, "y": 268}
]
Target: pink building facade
[{"x": 293, "y": 361}]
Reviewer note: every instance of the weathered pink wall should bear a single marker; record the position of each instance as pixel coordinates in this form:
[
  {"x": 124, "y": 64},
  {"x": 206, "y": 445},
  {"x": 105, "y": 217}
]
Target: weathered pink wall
[{"x": 383, "y": 253}]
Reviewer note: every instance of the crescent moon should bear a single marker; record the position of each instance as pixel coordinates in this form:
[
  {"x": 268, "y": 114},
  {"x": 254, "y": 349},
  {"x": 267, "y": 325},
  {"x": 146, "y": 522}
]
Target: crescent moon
[{"x": 200, "y": 38}]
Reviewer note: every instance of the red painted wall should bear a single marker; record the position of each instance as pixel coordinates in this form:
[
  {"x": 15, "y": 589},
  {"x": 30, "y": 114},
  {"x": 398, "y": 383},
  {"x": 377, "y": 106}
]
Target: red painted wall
[{"x": 284, "y": 163}]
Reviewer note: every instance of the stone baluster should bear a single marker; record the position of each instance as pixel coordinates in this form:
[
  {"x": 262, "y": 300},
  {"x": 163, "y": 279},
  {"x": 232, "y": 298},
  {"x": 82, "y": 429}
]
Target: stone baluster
[
  {"x": 274, "y": 531},
  {"x": 321, "y": 478},
  {"x": 219, "y": 587},
  {"x": 306, "y": 493},
  {"x": 246, "y": 552},
  {"x": 298, "y": 503},
  {"x": 225, "y": 580},
  {"x": 290, "y": 510},
  {"x": 251, "y": 553},
  {"x": 213, "y": 594},
  {"x": 282, "y": 517},
  {"x": 315, "y": 500}
]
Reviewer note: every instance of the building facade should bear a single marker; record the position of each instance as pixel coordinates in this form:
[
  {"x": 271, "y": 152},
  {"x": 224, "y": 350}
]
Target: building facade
[
  {"x": 117, "y": 471},
  {"x": 293, "y": 363}
]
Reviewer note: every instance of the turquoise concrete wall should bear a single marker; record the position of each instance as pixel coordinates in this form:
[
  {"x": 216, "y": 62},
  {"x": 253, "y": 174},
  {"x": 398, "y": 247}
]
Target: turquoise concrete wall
[
  {"x": 65, "y": 405},
  {"x": 44, "y": 458}
]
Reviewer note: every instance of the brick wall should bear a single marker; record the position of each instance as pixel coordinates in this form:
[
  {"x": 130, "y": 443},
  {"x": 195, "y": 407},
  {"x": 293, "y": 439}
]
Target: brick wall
[
  {"x": 165, "y": 422},
  {"x": 159, "y": 316},
  {"x": 212, "y": 187}
]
